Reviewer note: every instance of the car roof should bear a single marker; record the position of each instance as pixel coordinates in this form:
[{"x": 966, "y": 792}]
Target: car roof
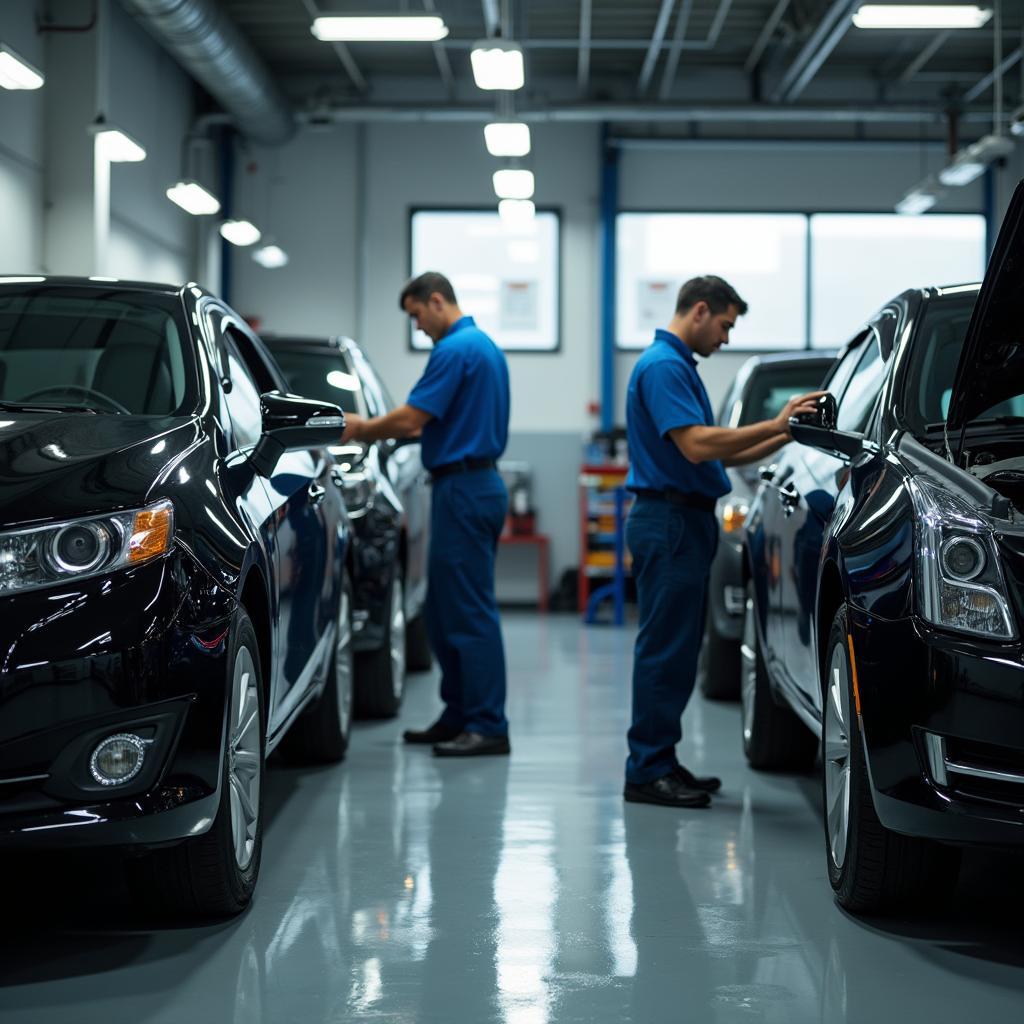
[{"x": 97, "y": 283}]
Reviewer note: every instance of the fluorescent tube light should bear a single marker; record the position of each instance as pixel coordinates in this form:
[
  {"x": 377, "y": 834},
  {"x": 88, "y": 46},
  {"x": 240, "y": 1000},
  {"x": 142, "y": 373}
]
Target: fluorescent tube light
[
  {"x": 240, "y": 232},
  {"x": 270, "y": 256},
  {"x": 507, "y": 138},
  {"x": 117, "y": 146},
  {"x": 971, "y": 162},
  {"x": 16, "y": 72},
  {"x": 387, "y": 28},
  {"x": 1017, "y": 122},
  {"x": 513, "y": 183},
  {"x": 497, "y": 65},
  {"x": 515, "y": 212},
  {"x": 915, "y": 202},
  {"x": 924, "y": 16},
  {"x": 193, "y": 198}
]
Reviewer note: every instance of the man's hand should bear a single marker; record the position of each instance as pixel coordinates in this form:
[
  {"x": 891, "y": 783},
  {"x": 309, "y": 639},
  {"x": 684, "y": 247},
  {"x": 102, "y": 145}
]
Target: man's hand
[
  {"x": 794, "y": 407},
  {"x": 353, "y": 427}
]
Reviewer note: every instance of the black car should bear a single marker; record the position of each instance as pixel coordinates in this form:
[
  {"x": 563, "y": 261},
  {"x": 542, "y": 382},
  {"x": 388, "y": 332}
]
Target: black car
[
  {"x": 761, "y": 389},
  {"x": 174, "y": 598},
  {"x": 388, "y": 497},
  {"x": 886, "y": 591}
]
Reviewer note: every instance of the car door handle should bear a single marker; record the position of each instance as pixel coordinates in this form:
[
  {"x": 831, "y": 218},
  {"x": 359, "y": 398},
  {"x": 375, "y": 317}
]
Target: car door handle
[
  {"x": 767, "y": 473},
  {"x": 316, "y": 494},
  {"x": 789, "y": 498}
]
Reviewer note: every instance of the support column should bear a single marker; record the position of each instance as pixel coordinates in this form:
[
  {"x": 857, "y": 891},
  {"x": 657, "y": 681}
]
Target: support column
[{"x": 609, "y": 209}]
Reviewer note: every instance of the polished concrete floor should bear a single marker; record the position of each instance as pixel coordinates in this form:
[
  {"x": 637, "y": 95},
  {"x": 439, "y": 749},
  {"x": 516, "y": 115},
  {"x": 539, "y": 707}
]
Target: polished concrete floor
[{"x": 399, "y": 888}]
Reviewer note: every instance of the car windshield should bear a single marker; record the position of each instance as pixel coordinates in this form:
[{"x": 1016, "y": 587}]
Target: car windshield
[
  {"x": 773, "y": 386},
  {"x": 119, "y": 352},
  {"x": 319, "y": 373},
  {"x": 933, "y": 363}
]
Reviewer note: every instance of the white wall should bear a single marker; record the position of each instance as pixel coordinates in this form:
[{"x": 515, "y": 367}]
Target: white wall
[{"x": 21, "y": 150}]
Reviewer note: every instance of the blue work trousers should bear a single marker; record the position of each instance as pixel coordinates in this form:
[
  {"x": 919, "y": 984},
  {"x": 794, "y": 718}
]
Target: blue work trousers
[
  {"x": 672, "y": 548},
  {"x": 467, "y": 515}
]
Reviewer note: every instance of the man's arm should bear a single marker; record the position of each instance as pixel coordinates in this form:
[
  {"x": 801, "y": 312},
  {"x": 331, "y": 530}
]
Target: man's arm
[
  {"x": 405, "y": 421},
  {"x": 756, "y": 452},
  {"x": 703, "y": 444}
]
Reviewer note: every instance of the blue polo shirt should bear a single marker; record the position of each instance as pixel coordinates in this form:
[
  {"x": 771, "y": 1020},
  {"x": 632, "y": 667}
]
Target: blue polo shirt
[
  {"x": 665, "y": 392},
  {"x": 465, "y": 388}
]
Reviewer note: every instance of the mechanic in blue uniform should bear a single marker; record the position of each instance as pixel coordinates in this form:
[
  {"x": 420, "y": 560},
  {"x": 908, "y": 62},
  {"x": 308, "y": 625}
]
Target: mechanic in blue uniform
[
  {"x": 461, "y": 407},
  {"x": 677, "y": 456}
]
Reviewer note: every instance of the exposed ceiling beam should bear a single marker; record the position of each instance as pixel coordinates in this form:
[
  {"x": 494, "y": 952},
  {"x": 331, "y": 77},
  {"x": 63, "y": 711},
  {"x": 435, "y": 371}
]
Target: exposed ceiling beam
[
  {"x": 766, "y": 34},
  {"x": 654, "y": 47},
  {"x": 987, "y": 82},
  {"x": 815, "y": 51},
  {"x": 347, "y": 61},
  {"x": 583, "y": 65},
  {"x": 444, "y": 65},
  {"x": 668, "y": 79},
  {"x": 924, "y": 56}
]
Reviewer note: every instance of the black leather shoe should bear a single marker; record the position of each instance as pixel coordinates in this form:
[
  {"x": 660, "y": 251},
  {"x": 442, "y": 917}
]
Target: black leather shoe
[
  {"x": 436, "y": 733},
  {"x": 472, "y": 744},
  {"x": 668, "y": 791},
  {"x": 701, "y": 783}
]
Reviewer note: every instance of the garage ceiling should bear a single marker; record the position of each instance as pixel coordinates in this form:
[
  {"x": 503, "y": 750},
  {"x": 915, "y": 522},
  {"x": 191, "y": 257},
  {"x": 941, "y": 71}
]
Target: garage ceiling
[{"x": 705, "y": 65}]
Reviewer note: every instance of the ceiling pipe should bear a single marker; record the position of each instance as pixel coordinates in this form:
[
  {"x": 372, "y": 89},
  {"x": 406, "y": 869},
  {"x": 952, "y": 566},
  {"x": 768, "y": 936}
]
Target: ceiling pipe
[{"x": 201, "y": 37}]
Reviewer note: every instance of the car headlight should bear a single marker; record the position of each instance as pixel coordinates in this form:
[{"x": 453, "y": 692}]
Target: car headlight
[
  {"x": 45, "y": 555},
  {"x": 733, "y": 515},
  {"x": 960, "y": 584}
]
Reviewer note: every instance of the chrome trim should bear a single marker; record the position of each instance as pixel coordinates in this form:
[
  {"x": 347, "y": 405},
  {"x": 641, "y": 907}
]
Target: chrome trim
[
  {"x": 23, "y": 778},
  {"x": 983, "y": 773},
  {"x": 936, "y": 748}
]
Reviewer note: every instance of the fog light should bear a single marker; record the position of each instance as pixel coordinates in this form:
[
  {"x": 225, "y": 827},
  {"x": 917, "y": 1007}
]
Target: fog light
[{"x": 118, "y": 759}]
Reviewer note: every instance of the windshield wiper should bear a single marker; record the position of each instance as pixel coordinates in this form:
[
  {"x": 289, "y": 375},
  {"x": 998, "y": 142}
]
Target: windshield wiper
[{"x": 43, "y": 407}]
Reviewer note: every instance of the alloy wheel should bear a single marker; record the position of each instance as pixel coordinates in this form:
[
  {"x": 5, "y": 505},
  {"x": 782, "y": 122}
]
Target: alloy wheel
[
  {"x": 397, "y": 636},
  {"x": 836, "y": 755},
  {"x": 344, "y": 662},
  {"x": 244, "y": 752}
]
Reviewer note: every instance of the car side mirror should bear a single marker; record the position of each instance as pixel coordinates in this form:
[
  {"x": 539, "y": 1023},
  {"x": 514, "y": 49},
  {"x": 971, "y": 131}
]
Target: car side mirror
[
  {"x": 818, "y": 430},
  {"x": 290, "y": 424}
]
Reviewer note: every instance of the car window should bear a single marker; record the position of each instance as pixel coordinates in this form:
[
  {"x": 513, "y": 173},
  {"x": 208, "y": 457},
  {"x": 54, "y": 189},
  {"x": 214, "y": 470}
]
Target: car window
[
  {"x": 773, "y": 386},
  {"x": 319, "y": 372},
  {"x": 842, "y": 371},
  {"x": 862, "y": 391},
  {"x": 376, "y": 396},
  {"x": 243, "y": 397}
]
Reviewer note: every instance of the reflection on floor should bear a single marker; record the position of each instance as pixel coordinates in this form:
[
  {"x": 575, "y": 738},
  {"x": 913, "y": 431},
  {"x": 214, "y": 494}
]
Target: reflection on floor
[{"x": 399, "y": 888}]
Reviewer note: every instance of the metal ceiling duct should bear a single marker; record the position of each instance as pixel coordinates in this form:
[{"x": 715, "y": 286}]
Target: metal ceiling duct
[{"x": 204, "y": 40}]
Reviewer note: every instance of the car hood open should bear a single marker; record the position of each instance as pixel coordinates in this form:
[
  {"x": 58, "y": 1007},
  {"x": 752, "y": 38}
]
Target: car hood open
[
  {"x": 59, "y": 465},
  {"x": 991, "y": 368}
]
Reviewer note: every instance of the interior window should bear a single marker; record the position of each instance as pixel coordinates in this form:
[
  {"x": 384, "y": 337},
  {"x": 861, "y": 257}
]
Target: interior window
[{"x": 862, "y": 391}]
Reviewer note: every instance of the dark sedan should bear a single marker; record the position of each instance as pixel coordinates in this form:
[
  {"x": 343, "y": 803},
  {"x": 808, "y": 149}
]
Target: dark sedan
[
  {"x": 174, "y": 600},
  {"x": 884, "y": 605},
  {"x": 388, "y": 500},
  {"x": 761, "y": 389}
]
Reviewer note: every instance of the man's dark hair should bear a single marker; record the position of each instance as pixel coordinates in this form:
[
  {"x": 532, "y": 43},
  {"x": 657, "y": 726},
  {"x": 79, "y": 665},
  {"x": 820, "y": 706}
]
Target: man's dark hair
[
  {"x": 718, "y": 294},
  {"x": 421, "y": 288}
]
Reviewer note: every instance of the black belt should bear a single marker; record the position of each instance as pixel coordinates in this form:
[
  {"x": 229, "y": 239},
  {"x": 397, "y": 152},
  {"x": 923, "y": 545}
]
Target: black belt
[
  {"x": 673, "y": 497},
  {"x": 462, "y": 466}
]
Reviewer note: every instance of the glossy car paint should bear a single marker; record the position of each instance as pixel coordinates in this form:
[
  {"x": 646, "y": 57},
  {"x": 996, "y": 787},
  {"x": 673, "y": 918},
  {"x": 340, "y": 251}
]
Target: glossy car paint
[
  {"x": 147, "y": 647},
  {"x": 392, "y": 525},
  {"x": 828, "y": 530}
]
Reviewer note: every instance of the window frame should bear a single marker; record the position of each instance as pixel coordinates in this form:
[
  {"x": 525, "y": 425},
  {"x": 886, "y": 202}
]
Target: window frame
[{"x": 556, "y": 349}]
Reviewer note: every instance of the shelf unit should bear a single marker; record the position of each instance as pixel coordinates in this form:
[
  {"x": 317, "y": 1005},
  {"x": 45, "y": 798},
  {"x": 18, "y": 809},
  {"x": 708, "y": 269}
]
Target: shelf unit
[{"x": 597, "y": 487}]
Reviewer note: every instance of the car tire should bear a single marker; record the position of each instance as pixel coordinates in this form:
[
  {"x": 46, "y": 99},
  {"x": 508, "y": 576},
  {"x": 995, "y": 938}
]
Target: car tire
[
  {"x": 214, "y": 874},
  {"x": 418, "y": 655},
  {"x": 321, "y": 734},
  {"x": 871, "y": 869},
  {"x": 380, "y": 674},
  {"x": 773, "y": 737},
  {"x": 720, "y": 668}
]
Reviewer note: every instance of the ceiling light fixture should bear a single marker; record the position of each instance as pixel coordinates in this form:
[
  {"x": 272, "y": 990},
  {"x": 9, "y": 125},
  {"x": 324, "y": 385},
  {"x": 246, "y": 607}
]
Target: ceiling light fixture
[
  {"x": 117, "y": 146},
  {"x": 921, "y": 198},
  {"x": 507, "y": 138},
  {"x": 193, "y": 198},
  {"x": 513, "y": 183},
  {"x": 380, "y": 28},
  {"x": 16, "y": 72},
  {"x": 1017, "y": 122},
  {"x": 497, "y": 64},
  {"x": 270, "y": 256},
  {"x": 970, "y": 162},
  {"x": 516, "y": 212},
  {"x": 240, "y": 232},
  {"x": 923, "y": 16}
]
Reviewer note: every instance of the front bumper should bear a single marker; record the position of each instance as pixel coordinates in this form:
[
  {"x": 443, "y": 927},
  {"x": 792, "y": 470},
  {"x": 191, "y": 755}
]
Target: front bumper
[
  {"x": 141, "y": 651},
  {"x": 922, "y": 692}
]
